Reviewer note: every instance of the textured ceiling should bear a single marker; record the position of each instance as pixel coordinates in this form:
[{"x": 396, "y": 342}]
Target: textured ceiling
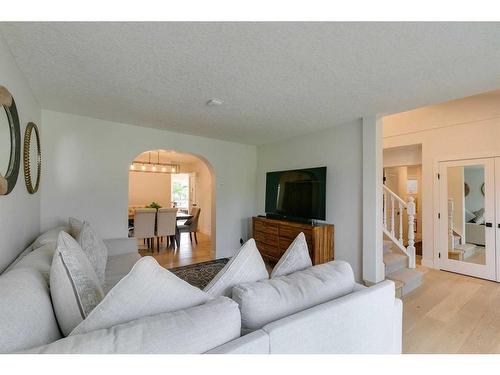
[{"x": 277, "y": 80}]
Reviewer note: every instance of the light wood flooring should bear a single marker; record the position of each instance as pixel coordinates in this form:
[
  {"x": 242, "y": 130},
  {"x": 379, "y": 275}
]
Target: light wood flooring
[
  {"x": 187, "y": 253},
  {"x": 452, "y": 313}
]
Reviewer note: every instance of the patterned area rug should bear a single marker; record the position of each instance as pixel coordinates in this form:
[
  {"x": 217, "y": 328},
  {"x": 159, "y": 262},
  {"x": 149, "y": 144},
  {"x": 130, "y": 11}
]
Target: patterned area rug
[{"x": 200, "y": 274}]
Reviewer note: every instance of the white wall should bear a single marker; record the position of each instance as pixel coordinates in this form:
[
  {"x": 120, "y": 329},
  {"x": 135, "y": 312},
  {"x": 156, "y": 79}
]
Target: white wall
[
  {"x": 460, "y": 129},
  {"x": 474, "y": 177},
  {"x": 86, "y": 174},
  {"x": 340, "y": 149},
  {"x": 19, "y": 211},
  {"x": 203, "y": 195},
  {"x": 145, "y": 188}
]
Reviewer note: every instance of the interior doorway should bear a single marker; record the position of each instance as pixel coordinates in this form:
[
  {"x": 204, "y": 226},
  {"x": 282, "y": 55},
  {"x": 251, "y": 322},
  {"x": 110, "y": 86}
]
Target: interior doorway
[
  {"x": 168, "y": 180},
  {"x": 469, "y": 232}
]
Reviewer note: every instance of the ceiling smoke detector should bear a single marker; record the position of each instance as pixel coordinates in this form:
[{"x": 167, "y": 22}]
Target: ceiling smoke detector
[{"x": 214, "y": 102}]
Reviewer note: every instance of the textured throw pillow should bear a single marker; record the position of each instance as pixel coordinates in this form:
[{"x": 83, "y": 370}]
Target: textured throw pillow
[
  {"x": 95, "y": 250},
  {"x": 265, "y": 301},
  {"x": 246, "y": 265},
  {"x": 296, "y": 258},
  {"x": 148, "y": 289},
  {"x": 75, "y": 226},
  {"x": 74, "y": 286},
  {"x": 479, "y": 216},
  {"x": 469, "y": 216}
]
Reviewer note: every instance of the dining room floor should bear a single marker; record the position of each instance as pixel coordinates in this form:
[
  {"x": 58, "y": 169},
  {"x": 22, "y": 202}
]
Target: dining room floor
[{"x": 187, "y": 253}]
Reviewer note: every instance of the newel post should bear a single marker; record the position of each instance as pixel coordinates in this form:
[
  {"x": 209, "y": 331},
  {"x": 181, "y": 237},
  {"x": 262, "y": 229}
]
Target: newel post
[{"x": 410, "y": 209}]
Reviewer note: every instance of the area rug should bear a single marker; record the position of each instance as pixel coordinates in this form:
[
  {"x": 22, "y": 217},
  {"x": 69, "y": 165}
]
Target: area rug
[{"x": 200, "y": 274}]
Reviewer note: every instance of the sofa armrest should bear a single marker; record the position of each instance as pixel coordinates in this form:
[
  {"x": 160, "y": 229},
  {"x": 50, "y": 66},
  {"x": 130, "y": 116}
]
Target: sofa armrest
[
  {"x": 398, "y": 327},
  {"x": 361, "y": 322},
  {"x": 118, "y": 246},
  {"x": 256, "y": 342}
]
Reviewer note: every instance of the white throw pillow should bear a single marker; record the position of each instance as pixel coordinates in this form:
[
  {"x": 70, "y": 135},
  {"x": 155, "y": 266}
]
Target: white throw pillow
[
  {"x": 246, "y": 265},
  {"x": 74, "y": 286},
  {"x": 148, "y": 289},
  {"x": 469, "y": 216},
  {"x": 95, "y": 250},
  {"x": 75, "y": 226},
  {"x": 479, "y": 216},
  {"x": 296, "y": 258}
]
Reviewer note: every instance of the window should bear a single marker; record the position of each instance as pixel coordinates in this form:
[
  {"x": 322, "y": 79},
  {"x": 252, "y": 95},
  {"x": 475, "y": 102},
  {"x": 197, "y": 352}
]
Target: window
[{"x": 180, "y": 190}]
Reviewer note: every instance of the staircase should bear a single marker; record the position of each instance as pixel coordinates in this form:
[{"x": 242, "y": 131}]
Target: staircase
[
  {"x": 399, "y": 260},
  {"x": 396, "y": 269}
]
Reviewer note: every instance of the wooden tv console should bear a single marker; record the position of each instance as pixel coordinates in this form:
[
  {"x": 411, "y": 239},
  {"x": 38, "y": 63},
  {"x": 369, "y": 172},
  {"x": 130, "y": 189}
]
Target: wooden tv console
[{"x": 274, "y": 236}]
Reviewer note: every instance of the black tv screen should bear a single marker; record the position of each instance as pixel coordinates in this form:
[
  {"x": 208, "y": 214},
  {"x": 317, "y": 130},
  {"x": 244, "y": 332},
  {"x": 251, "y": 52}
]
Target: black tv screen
[{"x": 298, "y": 194}]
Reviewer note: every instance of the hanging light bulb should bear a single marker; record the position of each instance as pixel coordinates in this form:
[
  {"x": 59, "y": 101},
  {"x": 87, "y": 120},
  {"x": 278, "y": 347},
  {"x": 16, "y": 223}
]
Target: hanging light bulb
[
  {"x": 164, "y": 169},
  {"x": 132, "y": 167},
  {"x": 154, "y": 168},
  {"x": 143, "y": 167},
  {"x": 173, "y": 169}
]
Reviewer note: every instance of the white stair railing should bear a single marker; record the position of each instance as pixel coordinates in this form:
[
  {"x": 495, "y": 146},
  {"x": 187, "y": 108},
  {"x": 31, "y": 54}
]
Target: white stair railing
[{"x": 394, "y": 229}]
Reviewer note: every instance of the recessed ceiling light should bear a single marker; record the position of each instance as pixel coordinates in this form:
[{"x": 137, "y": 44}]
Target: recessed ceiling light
[{"x": 214, "y": 102}]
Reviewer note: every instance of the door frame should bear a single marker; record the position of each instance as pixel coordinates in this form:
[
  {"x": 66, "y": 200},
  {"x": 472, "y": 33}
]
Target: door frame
[{"x": 489, "y": 269}]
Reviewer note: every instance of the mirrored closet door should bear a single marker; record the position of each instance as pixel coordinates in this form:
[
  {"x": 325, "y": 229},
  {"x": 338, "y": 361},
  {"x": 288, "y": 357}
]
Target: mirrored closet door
[{"x": 468, "y": 217}]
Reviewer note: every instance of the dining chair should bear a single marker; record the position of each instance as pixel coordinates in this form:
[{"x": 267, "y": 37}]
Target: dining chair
[
  {"x": 191, "y": 225},
  {"x": 144, "y": 223},
  {"x": 166, "y": 225}
]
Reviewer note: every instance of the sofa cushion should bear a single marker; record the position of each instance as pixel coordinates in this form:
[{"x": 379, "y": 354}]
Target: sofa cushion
[
  {"x": 296, "y": 258},
  {"x": 148, "y": 289},
  {"x": 75, "y": 226},
  {"x": 26, "y": 315},
  {"x": 74, "y": 286},
  {"x": 246, "y": 265},
  {"x": 117, "y": 267},
  {"x": 363, "y": 322},
  {"x": 269, "y": 300},
  {"x": 39, "y": 259},
  {"x": 95, "y": 250},
  {"x": 49, "y": 236},
  {"x": 191, "y": 331}
]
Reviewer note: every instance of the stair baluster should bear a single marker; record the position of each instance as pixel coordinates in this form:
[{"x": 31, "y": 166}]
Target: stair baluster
[{"x": 409, "y": 250}]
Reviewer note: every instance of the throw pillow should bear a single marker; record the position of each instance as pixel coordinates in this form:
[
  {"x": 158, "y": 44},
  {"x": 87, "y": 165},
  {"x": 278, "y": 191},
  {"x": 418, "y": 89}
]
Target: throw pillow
[
  {"x": 95, "y": 250},
  {"x": 479, "y": 216},
  {"x": 74, "y": 286},
  {"x": 246, "y": 265},
  {"x": 296, "y": 258},
  {"x": 148, "y": 289},
  {"x": 469, "y": 216},
  {"x": 75, "y": 226}
]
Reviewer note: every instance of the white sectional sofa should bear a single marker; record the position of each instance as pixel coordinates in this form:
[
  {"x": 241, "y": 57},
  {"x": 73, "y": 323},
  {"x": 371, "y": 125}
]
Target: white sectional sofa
[{"x": 365, "y": 320}]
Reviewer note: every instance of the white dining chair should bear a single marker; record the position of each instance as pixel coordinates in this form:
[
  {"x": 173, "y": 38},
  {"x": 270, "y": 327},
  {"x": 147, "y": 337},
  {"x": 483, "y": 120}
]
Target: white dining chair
[
  {"x": 166, "y": 225},
  {"x": 191, "y": 225},
  {"x": 144, "y": 223}
]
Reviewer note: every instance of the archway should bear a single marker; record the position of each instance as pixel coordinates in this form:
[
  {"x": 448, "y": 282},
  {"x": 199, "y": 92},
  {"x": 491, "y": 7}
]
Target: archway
[{"x": 169, "y": 178}]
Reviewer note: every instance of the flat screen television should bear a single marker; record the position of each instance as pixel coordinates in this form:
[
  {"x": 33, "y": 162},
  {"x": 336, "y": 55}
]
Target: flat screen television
[{"x": 297, "y": 195}]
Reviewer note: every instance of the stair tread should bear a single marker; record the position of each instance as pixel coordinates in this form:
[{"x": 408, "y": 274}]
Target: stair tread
[
  {"x": 405, "y": 275},
  {"x": 391, "y": 258}
]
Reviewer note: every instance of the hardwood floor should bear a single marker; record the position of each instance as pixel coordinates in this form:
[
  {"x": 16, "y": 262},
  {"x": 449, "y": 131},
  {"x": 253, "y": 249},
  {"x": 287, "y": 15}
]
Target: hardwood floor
[
  {"x": 452, "y": 313},
  {"x": 187, "y": 253}
]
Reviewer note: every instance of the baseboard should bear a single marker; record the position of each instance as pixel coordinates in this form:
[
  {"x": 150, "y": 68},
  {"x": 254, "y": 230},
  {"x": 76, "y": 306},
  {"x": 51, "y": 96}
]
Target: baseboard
[{"x": 428, "y": 263}]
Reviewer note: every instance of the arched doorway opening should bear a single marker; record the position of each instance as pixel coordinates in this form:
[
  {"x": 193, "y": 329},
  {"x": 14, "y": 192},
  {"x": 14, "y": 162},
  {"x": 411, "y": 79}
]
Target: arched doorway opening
[{"x": 167, "y": 179}]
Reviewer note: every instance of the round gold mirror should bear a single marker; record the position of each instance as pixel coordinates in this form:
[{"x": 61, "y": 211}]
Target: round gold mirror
[
  {"x": 10, "y": 142},
  {"x": 32, "y": 158}
]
